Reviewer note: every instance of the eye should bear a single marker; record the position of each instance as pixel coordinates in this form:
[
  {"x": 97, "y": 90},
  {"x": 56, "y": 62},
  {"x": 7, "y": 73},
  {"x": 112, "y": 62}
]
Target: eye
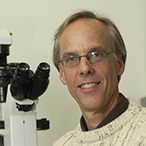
[
  {"x": 71, "y": 59},
  {"x": 96, "y": 54}
]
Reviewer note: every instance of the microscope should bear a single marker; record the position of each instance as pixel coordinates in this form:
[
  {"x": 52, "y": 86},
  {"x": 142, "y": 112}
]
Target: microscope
[{"x": 20, "y": 88}]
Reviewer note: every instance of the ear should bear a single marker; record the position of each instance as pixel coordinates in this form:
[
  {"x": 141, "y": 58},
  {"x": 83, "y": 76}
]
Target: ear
[
  {"x": 62, "y": 75},
  {"x": 120, "y": 66}
]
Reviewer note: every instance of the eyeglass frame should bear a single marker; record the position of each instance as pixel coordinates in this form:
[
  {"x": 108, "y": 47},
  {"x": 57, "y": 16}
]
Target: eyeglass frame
[{"x": 87, "y": 57}]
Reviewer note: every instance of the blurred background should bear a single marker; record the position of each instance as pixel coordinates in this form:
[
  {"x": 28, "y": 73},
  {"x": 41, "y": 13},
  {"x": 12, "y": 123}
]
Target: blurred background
[{"x": 33, "y": 23}]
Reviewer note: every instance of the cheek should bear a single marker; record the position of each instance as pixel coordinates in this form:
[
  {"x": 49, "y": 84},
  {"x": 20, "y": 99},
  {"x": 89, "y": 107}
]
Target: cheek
[
  {"x": 68, "y": 77},
  {"x": 70, "y": 82},
  {"x": 71, "y": 79},
  {"x": 108, "y": 73},
  {"x": 62, "y": 75}
]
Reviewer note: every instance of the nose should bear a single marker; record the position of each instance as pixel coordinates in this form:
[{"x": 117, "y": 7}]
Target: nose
[{"x": 85, "y": 67}]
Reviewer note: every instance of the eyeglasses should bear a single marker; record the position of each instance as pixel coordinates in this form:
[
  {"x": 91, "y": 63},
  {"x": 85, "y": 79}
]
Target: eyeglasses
[{"x": 93, "y": 57}]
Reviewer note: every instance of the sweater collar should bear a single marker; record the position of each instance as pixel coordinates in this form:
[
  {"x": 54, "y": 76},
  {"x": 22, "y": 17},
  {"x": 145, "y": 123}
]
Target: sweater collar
[
  {"x": 119, "y": 108},
  {"x": 109, "y": 129}
]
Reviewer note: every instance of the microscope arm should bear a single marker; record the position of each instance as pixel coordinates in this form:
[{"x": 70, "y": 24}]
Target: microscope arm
[{"x": 20, "y": 126}]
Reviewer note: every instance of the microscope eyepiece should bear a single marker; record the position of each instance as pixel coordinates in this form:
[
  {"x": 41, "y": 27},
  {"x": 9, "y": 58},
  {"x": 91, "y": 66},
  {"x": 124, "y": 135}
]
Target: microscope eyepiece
[
  {"x": 23, "y": 66},
  {"x": 39, "y": 82},
  {"x": 44, "y": 66},
  {"x": 28, "y": 85},
  {"x": 42, "y": 72},
  {"x": 18, "y": 86},
  {"x": 22, "y": 73}
]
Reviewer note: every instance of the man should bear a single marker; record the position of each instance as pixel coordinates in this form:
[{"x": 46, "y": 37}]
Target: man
[{"x": 90, "y": 56}]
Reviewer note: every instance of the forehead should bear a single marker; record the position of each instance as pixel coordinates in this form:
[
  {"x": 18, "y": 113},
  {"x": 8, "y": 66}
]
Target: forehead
[{"x": 84, "y": 33}]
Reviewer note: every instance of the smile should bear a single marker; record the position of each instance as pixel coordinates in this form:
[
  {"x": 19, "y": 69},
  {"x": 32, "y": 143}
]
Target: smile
[{"x": 88, "y": 85}]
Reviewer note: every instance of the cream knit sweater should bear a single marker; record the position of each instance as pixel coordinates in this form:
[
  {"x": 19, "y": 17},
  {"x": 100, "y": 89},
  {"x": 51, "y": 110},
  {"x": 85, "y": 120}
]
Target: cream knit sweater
[{"x": 129, "y": 129}]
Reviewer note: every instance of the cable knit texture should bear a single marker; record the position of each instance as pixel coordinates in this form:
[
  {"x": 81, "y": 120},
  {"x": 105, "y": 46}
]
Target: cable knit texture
[{"x": 129, "y": 129}]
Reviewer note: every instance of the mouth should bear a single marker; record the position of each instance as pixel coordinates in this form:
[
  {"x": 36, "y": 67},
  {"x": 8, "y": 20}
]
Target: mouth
[{"x": 88, "y": 85}]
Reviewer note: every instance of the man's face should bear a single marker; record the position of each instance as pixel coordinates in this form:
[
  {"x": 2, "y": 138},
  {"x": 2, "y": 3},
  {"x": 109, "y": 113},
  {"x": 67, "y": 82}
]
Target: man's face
[{"x": 92, "y": 85}]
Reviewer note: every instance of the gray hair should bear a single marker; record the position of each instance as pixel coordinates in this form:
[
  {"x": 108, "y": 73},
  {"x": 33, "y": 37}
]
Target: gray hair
[{"x": 113, "y": 33}]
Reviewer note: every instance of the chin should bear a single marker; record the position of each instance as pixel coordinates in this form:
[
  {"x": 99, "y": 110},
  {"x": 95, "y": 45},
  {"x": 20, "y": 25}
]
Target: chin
[{"x": 90, "y": 107}]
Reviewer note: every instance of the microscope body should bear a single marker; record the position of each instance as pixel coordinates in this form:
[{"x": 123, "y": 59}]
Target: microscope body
[
  {"x": 19, "y": 90},
  {"x": 20, "y": 126}
]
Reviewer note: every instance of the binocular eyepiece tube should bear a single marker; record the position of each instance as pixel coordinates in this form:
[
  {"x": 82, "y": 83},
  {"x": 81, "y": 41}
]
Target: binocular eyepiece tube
[{"x": 29, "y": 85}]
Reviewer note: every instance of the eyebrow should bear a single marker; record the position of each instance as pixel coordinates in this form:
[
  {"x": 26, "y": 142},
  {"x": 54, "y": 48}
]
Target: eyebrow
[
  {"x": 96, "y": 48},
  {"x": 91, "y": 49},
  {"x": 69, "y": 54}
]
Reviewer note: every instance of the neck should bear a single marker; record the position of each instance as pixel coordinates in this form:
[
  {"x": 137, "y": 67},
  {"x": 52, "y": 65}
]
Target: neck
[{"x": 94, "y": 118}]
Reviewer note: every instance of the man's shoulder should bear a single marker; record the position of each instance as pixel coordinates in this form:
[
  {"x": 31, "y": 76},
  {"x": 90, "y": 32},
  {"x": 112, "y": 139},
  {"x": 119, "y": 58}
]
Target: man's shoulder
[
  {"x": 66, "y": 137},
  {"x": 136, "y": 104},
  {"x": 137, "y": 110}
]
